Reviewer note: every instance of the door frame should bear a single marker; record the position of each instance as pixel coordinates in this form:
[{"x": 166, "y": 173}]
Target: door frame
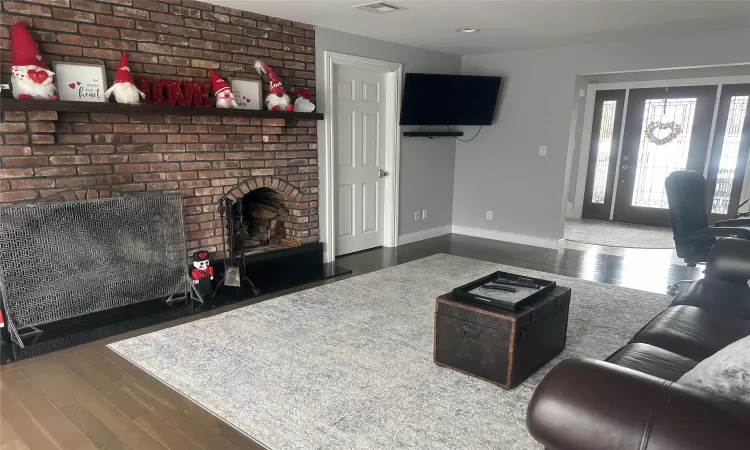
[
  {"x": 392, "y": 146},
  {"x": 588, "y": 121}
]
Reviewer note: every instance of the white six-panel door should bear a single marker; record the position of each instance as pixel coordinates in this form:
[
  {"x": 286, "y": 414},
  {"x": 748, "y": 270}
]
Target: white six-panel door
[{"x": 359, "y": 138}]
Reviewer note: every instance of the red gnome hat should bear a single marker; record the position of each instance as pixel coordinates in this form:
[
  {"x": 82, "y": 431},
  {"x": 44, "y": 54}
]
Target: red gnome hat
[
  {"x": 218, "y": 83},
  {"x": 274, "y": 85},
  {"x": 24, "y": 50},
  {"x": 123, "y": 74}
]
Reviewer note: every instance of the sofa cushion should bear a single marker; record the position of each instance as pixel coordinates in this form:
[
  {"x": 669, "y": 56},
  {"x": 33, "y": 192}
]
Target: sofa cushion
[
  {"x": 653, "y": 361},
  {"x": 693, "y": 332},
  {"x": 725, "y": 373},
  {"x": 732, "y": 299}
]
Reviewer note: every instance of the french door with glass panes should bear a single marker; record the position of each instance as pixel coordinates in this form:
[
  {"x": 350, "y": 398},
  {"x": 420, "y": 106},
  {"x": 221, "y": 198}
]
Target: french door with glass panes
[{"x": 665, "y": 130}]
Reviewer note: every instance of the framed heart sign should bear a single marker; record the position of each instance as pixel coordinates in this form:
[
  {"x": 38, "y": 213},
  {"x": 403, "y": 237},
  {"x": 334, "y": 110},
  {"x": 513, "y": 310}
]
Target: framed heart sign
[
  {"x": 247, "y": 93},
  {"x": 81, "y": 82}
]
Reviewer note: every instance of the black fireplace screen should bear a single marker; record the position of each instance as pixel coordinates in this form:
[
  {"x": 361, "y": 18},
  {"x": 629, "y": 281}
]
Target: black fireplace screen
[{"x": 61, "y": 260}]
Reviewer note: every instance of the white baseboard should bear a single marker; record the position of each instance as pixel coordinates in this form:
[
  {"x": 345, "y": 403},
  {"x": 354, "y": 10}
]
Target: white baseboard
[
  {"x": 475, "y": 232},
  {"x": 508, "y": 237},
  {"x": 572, "y": 212},
  {"x": 422, "y": 235}
]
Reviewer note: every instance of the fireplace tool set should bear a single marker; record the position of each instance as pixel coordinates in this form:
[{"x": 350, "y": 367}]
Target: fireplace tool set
[{"x": 233, "y": 275}]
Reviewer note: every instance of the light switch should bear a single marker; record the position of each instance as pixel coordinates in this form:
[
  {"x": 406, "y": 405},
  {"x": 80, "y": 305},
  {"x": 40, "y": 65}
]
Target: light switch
[{"x": 542, "y": 150}]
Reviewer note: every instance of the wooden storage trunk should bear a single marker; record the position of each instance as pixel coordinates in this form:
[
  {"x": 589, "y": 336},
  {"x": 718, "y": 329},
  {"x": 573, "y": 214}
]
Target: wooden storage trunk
[{"x": 500, "y": 346}]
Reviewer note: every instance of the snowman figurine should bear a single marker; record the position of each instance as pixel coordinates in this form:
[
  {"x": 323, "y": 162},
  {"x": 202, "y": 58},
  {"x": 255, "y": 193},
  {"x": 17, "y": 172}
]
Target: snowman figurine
[{"x": 202, "y": 272}]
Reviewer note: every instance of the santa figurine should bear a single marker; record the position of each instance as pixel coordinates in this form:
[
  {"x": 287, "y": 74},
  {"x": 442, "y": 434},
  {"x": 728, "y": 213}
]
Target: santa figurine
[
  {"x": 29, "y": 75},
  {"x": 202, "y": 272},
  {"x": 124, "y": 89},
  {"x": 222, "y": 91},
  {"x": 276, "y": 100}
]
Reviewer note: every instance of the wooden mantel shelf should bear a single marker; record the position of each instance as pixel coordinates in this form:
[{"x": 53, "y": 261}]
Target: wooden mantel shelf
[{"x": 11, "y": 104}]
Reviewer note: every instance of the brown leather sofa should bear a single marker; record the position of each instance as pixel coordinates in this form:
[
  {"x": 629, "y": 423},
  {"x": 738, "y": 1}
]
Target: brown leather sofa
[{"x": 630, "y": 401}]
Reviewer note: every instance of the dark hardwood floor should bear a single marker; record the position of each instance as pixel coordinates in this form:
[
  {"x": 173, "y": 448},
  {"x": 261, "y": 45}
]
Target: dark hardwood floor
[{"x": 88, "y": 397}]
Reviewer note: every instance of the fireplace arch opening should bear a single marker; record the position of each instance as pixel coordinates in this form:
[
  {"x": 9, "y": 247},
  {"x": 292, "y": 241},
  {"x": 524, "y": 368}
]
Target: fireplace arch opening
[{"x": 262, "y": 215}]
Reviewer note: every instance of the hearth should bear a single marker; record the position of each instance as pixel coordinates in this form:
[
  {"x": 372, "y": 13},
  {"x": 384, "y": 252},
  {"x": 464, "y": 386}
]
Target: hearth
[
  {"x": 63, "y": 260},
  {"x": 268, "y": 269}
]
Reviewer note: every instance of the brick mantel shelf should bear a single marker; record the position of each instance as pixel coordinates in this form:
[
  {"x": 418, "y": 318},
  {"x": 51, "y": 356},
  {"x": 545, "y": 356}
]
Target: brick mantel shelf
[{"x": 11, "y": 104}]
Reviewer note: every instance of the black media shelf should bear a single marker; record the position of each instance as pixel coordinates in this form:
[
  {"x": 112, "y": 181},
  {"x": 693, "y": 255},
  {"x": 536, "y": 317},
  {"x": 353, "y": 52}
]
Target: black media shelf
[{"x": 433, "y": 133}]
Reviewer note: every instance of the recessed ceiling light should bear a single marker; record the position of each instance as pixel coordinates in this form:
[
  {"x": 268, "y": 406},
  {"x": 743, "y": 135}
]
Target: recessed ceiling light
[
  {"x": 379, "y": 7},
  {"x": 468, "y": 30}
]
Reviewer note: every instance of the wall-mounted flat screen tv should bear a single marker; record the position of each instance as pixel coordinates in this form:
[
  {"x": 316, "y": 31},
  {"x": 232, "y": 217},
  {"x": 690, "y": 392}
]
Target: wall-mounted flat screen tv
[{"x": 431, "y": 99}]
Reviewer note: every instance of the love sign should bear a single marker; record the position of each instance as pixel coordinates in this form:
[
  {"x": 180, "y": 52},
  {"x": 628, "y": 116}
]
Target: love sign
[
  {"x": 81, "y": 82},
  {"x": 174, "y": 92}
]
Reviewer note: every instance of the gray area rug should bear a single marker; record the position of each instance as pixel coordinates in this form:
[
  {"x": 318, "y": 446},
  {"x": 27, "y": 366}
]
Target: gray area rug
[
  {"x": 617, "y": 234},
  {"x": 349, "y": 365}
]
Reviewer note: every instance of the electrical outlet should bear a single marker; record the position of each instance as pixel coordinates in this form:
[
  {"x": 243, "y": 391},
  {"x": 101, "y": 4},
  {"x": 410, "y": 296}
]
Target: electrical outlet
[
  {"x": 417, "y": 215},
  {"x": 542, "y": 150},
  {"x": 488, "y": 215},
  {"x": 424, "y": 214}
]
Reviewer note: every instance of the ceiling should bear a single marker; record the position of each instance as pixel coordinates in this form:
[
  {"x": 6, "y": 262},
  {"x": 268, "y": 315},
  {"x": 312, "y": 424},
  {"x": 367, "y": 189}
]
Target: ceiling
[{"x": 509, "y": 25}]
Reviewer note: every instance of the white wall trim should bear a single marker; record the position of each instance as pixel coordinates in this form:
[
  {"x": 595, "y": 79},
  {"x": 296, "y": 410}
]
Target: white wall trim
[
  {"x": 619, "y": 154},
  {"x": 736, "y": 79},
  {"x": 392, "y": 146},
  {"x": 588, "y": 118},
  {"x": 426, "y": 234},
  {"x": 583, "y": 155},
  {"x": 569, "y": 210},
  {"x": 509, "y": 237},
  {"x": 717, "y": 103}
]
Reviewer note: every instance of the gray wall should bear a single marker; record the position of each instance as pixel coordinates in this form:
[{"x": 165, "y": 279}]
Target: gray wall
[
  {"x": 426, "y": 165},
  {"x": 501, "y": 169},
  {"x": 583, "y": 81}
]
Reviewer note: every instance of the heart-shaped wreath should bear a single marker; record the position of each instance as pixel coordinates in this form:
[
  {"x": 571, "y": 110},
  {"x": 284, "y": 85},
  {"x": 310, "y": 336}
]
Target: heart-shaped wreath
[{"x": 674, "y": 130}]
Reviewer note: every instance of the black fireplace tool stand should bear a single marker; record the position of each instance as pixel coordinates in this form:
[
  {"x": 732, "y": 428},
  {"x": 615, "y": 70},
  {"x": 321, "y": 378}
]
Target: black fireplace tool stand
[{"x": 229, "y": 213}]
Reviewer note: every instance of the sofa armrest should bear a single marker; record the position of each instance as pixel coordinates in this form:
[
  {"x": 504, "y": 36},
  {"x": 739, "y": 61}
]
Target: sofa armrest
[
  {"x": 729, "y": 260},
  {"x": 715, "y": 232},
  {"x": 733, "y": 223},
  {"x": 585, "y": 404}
]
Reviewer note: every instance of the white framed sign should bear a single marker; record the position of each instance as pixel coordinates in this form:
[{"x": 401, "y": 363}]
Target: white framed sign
[
  {"x": 81, "y": 82},
  {"x": 247, "y": 93}
]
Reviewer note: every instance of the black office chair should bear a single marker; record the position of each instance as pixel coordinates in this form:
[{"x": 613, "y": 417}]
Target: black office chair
[{"x": 693, "y": 238}]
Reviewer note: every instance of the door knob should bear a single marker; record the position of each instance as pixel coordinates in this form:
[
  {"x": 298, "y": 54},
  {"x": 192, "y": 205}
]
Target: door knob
[
  {"x": 625, "y": 167},
  {"x": 382, "y": 173}
]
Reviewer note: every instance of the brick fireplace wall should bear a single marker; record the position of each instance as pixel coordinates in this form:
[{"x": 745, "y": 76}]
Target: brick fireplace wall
[{"x": 43, "y": 154}]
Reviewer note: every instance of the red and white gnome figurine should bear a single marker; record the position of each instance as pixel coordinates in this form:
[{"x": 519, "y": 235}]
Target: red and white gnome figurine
[
  {"x": 124, "y": 89},
  {"x": 303, "y": 103},
  {"x": 222, "y": 91},
  {"x": 276, "y": 99},
  {"x": 29, "y": 75}
]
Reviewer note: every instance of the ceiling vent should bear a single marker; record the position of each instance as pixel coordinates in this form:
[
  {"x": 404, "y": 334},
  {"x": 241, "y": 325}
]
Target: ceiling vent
[{"x": 379, "y": 7}]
